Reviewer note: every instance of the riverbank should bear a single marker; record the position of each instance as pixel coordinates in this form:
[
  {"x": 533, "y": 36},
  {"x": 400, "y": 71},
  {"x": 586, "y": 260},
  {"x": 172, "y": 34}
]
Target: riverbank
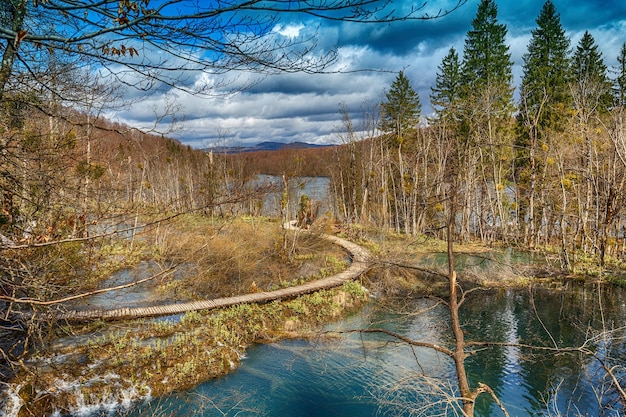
[
  {"x": 100, "y": 365},
  {"x": 137, "y": 359}
]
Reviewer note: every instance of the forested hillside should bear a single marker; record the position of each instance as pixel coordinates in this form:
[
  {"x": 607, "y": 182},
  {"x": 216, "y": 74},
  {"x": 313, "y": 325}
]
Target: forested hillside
[
  {"x": 302, "y": 162},
  {"x": 68, "y": 172}
]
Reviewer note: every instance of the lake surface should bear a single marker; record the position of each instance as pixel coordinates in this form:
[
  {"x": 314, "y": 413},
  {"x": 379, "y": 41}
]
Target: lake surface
[
  {"x": 316, "y": 188},
  {"x": 355, "y": 374}
]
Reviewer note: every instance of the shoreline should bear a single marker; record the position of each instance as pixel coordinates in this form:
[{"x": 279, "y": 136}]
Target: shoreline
[{"x": 152, "y": 358}]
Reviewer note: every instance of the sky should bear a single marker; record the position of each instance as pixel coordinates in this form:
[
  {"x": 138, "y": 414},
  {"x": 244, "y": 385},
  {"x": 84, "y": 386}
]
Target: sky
[{"x": 305, "y": 107}]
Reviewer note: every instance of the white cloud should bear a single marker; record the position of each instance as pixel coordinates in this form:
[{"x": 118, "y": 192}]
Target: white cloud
[{"x": 290, "y": 31}]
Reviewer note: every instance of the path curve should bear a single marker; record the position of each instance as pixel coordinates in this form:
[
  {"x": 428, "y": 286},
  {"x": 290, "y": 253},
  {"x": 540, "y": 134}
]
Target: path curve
[{"x": 360, "y": 264}]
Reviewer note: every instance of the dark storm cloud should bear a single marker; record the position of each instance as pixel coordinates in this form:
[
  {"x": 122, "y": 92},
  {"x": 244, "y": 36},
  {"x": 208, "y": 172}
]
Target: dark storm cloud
[
  {"x": 586, "y": 15},
  {"x": 291, "y": 84},
  {"x": 401, "y": 38}
]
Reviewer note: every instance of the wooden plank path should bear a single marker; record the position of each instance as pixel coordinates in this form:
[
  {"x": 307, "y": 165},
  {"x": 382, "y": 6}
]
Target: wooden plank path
[{"x": 360, "y": 264}]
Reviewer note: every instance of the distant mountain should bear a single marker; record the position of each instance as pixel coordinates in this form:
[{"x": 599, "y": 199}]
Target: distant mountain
[{"x": 263, "y": 146}]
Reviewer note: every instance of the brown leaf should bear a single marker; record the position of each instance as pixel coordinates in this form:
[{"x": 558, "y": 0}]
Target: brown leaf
[{"x": 20, "y": 35}]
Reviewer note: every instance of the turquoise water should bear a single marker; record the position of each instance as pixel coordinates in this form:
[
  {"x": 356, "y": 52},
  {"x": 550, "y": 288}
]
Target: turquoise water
[
  {"x": 334, "y": 375},
  {"x": 353, "y": 374}
]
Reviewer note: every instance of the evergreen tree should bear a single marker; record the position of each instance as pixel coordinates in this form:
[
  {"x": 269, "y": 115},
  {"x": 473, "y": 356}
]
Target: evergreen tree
[
  {"x": 446, "y": 92},
  {"x": 487, "y": 62},
  {"x": 399, "y": 116},
  {"x": 589, "y": 74},
  {"x": 545, "y": 100},
  {"x": 486, "y": 90},
  {"x": 591, "y": 92},
  {"x": 484, "y": 132},
  {"x": 544, "y": 89},
  {"x": 401, "y": 110}
]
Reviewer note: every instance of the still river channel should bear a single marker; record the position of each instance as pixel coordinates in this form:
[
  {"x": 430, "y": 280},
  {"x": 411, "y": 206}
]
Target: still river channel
[{"x": 367, "y": 375}]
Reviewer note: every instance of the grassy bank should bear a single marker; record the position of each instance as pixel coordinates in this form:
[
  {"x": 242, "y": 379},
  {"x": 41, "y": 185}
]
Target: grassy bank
[
  {"x": 143, "y": 358},
  {"x": 103, "y": 363}
]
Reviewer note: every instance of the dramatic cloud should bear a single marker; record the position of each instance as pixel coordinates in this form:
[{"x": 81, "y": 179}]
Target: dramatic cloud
[{"x": 305, "y": 107}]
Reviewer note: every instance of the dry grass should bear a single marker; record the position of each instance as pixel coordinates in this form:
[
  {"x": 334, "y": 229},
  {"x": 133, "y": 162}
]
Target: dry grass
[{"x": 225, "y": 258}]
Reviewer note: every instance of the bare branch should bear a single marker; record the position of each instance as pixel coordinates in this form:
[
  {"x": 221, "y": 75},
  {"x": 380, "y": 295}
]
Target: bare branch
[
  {"x": 486, "y": 388},
  {"x": 175, "y": 37},
  {"x": 403, "y": 339},
  {"x": 87, "y": 294}
]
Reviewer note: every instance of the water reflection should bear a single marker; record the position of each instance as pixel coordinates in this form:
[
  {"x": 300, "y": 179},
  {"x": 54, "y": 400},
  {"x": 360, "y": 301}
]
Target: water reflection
[
  {"x": 537, "y": 382},
  {"x": 316, "y": 188},
  {"x": 494, "y": 265},
  {"x": 367, "y": 374}
]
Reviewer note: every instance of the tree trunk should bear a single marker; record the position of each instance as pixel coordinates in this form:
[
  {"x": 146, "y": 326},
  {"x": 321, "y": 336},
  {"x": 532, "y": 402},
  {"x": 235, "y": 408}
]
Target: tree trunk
[
  {"x": 10, "y": 52},
  {"x": 531, "y": 237},
  {"x": 467, "y": 397}
]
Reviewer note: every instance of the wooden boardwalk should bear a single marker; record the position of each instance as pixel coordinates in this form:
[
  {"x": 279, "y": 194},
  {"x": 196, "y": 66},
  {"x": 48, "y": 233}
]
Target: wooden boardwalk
[{"x": 360, "y": 264}]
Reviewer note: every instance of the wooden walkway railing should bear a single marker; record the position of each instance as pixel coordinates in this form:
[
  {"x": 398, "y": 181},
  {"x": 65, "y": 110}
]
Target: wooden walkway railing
[{"x": 360, "y": 265}]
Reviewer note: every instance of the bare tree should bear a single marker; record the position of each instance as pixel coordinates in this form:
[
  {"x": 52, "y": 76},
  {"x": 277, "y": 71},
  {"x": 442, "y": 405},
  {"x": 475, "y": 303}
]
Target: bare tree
[
  {"x": 146, "y": 45},
  {"x": 151, "y": 43}
]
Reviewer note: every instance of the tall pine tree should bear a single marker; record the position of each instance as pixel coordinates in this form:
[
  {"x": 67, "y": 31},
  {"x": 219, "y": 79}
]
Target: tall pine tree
[
  {"x": 446, "y": 92},
  {"x": 400, "y": 116},
  {"x": 545, "y": 100},
  {"x": 486, "y": 59},
  {"x": 544, "y": 89},
  {"x": 487, "y": 109},
  {"x": 591, "y": 93},
  {"x": 591, "y": 85},
  {"x": 401, "y": 111}
]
